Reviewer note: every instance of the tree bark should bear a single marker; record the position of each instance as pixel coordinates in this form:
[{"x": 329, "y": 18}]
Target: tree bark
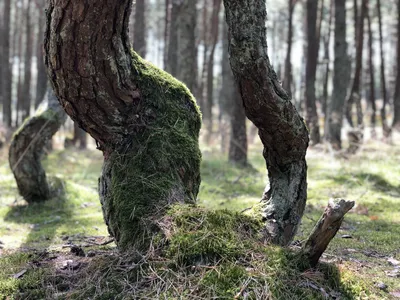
[
  {"x": 139, "y": 29},
  {"x": 396, "y": 96},
  {"x": 6, "y": 66},
  {"x": 146, "y": 122},
  {"x": 340, "y": 77},
  {"x": 385, "y": 127},
  {"x": 311, "y": 69},
  {"x": 27, "y": 148},
  {"x": 326, "y": 229},
  {"x": 267, "y": 105},
  {"x": 355, "y": 94},
  {"x": 26, "y": 88},
  {"x": 41, "y": 84}
]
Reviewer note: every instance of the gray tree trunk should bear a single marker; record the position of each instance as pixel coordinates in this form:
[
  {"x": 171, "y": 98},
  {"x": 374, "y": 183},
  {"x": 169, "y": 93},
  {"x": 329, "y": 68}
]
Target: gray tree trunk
[
  {"x": 287, "y": 81},
  {"x": 396, "y": 97},
  {"x": 139, "y": 29},
  {"x": 267, "y": 105},
  {"x": 144, "y": 121},
  {"x": 27, "y": 148},
  {"x": 41, "y": 84},
  {"x": 26, "y": 88},
  {"x": 6, "y": 66},
  {"x": 340, "y": 77},
  {"x": 311, "y": 69},
  {"x": 187, "y": 71},
  {"x": 371, "y": 74}
]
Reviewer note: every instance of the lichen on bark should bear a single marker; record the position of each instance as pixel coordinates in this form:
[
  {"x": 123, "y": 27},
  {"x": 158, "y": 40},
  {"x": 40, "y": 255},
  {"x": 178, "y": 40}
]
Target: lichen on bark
[{"x": 27, "y": 149}]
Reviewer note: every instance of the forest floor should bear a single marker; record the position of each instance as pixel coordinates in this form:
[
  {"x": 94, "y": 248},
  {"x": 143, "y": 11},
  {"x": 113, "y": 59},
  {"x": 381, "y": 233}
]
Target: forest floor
[{"x": 366, "y": 250}]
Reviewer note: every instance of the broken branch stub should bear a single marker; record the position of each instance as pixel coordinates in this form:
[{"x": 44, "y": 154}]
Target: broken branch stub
[{"x": 326, "y": 228}]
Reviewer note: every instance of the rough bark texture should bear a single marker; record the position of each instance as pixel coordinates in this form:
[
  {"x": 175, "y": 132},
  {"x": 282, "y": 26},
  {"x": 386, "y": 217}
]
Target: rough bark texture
[
  {"x": 340, "y": 77},
  {"x": 396, "y": 97},
  {"x": 6, "y": 66},
  {"x": 267, "y": 105},
  {"x": 355, "y": 93},
  {"x": 311, "y": 70},
  {"x": 187, "y": 44},
  {"x": 27, "y": 148},
  {"x": 326, "y": 229},
  {"x": 139, "y": 30},
  {"x": 145, "y": 121}
]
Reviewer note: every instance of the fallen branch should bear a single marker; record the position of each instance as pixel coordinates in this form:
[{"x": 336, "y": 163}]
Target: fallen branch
[{"x": 326, "y": 228}]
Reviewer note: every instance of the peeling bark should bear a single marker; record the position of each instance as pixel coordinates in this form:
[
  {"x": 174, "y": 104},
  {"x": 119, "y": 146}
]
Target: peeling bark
[
  {"x": 267, "y": 105},
  {"x": 27, "y": 148},
  {"x": 146, "y": 122}
]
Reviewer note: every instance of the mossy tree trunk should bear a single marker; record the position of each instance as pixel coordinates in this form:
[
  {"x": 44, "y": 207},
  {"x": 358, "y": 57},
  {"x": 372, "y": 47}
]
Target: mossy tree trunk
[
  {"x": 145, "y": 121},
  {"x": 27, "y": 148},
  {"x": 267, "y": 105}
]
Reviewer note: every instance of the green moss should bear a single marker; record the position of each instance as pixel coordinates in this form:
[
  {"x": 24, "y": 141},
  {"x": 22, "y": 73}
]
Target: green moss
[
  {"x": 159, "y": 163},
  {"x": 203, "y": 237}
]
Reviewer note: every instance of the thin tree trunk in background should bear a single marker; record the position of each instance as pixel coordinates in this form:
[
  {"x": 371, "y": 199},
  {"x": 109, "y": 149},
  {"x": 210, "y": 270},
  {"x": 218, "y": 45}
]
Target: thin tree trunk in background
[
  {"x": 385, "y": 127},
  {"x": 139, "y": 29},
  {"x": 355, "y": 20},
  {"x": 203, "y": 77},
  {"x": 41, "y": 83},
  {"x": 1, "y": 52},
  {"x": 187, "y": 45},
  {"x": 21, "y": 57},
  {"x": 340, "y": 74},
  {"x": 311, "y": 68},
  {"x": 355, "y": 93},
  {"x": 396, "y": 97},
  {"x": 80, "y": 137},
  {"x": 371, "y": 74},
  {"x": 166, "y": 32},
  {"x": 6, "y": 66},
  {"x": 26, "y": 89},
  {"x": 281, "y": 129},
  {"x": 327, "y": 58},
  {"x": 287, "y": 81},
  {"x": 238, "y": 138},
  {"x": 172, "y": 62},
  {"x": 226, "y": 93},
  {"x": 208, "y": 106}
]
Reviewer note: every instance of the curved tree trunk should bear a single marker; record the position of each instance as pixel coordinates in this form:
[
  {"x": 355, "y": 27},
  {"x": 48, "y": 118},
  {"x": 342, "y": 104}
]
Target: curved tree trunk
[
  {"x": 340, "y": 71},
  {"x": 27, "y": 148},
  {"x": 145, "y": 121},
  {"x": 267, "y": 105}
]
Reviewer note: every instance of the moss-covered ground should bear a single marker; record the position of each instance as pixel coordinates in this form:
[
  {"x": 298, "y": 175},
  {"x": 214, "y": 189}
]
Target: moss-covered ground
[{"x": 205, "y": 253}]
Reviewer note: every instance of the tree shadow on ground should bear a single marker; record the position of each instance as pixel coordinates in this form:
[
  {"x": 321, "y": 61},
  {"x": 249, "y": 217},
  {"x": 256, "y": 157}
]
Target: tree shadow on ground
[
  {"x": 44, "y": 218},
  {"x": 376, "y": 182}
]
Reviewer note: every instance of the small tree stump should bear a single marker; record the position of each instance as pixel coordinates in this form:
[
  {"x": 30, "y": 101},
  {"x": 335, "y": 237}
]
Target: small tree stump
[{"x": 326, "y": 228}]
